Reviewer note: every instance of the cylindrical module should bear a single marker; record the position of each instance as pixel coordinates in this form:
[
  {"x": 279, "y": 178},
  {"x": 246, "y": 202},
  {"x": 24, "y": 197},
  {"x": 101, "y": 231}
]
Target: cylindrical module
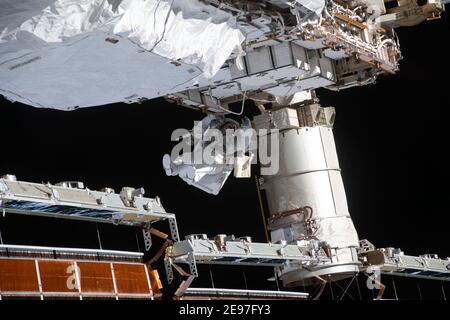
[{"x": 307, "y": 200}]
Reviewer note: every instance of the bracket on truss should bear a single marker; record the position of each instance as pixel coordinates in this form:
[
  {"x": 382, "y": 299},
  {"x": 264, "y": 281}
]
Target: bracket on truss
[
  {"x": 192, "y": 264},
  {"x": 148, "y": 231},
  {"x": 193, "y": 273},
  {"x": 169, "y": 265},
  {"x": 174, "y": 229},
  {"x": 169, "y": 269},
  {"x": 147, "y": 238}
]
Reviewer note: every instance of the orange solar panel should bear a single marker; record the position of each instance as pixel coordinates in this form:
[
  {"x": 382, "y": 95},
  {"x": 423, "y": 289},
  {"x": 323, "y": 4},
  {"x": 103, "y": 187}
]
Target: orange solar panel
[
  {"x": 131, "y": 278},
  {"x": 155, "y": 281},
  {"x": 96, "y": 277},
  {"x": 58, "y": 278},
  {"x": 55, "y": 276},
  {"x": 18, "y": 275}
]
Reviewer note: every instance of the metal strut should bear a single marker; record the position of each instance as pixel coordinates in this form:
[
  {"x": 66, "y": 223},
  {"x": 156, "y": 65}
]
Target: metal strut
[{"x": 147, "y": 238}]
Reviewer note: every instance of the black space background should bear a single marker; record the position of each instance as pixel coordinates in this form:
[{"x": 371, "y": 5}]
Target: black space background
[{"x": 392, "y": 139}]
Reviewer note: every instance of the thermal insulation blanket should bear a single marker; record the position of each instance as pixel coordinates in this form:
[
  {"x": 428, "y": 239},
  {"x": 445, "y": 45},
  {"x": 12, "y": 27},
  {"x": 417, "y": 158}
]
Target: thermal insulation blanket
[{"x": 66, "y": 54}]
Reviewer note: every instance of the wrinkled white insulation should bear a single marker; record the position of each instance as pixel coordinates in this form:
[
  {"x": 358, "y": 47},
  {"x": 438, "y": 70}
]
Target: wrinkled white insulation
[{"x": 65, "y": 54}]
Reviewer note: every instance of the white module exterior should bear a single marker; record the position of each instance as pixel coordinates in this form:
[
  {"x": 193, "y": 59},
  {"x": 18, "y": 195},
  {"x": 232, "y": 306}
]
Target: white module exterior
[{"x": 310, "y": 176}]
